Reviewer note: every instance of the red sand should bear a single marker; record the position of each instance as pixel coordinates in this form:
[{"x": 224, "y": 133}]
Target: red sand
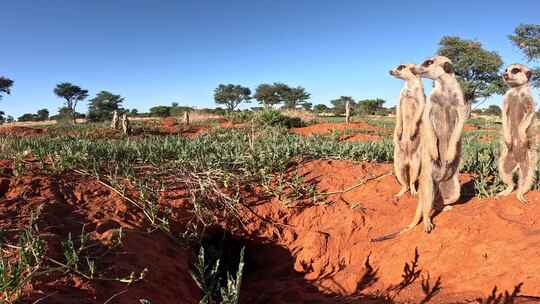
[
  {"x": 310, "y": 253},
  {"x": 369, "y": 132}
]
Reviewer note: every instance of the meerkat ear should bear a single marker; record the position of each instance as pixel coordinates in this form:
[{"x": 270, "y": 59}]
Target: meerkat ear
[
  {"x": 448, "y": 68},
  {"x": 529, "y": 75}
]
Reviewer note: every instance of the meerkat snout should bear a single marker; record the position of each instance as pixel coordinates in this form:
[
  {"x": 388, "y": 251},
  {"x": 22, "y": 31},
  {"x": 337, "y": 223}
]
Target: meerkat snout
[{"x": 404, "y": 71}]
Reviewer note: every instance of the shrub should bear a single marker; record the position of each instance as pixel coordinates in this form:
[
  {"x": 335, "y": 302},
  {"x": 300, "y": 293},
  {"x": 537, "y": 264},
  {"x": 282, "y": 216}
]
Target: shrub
[{"x": 275, "y": 118}]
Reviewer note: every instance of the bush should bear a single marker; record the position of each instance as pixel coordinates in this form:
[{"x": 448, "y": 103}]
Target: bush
[
  {"x": 239, "y": 117},
  {"x": 276, "y": 118}
]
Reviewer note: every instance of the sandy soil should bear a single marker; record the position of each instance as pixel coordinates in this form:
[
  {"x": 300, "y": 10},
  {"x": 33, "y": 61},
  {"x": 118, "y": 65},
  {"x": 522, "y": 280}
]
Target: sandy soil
[{"x": 359, "y": 131}]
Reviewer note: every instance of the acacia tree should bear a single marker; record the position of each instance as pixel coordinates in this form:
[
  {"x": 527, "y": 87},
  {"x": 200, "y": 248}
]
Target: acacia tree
[
  {"x": 103, "y": 105},
  {"x": 268, "y": 94},
  {"x": 231, "y": 95},
  {"x": 5, "y": 86},
  {"x": 294, "y": 97},
  {"x": 370, "y": 106},
  {"x": 527, "y": 38},
  {"x": 72, "y": 95},
  {"x": 476, "y": 68},
  {"x": 340, "y": 103}
]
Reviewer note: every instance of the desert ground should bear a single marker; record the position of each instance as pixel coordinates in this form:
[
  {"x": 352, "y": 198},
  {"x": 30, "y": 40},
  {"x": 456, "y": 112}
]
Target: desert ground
[{"x": 90, "y": 215}]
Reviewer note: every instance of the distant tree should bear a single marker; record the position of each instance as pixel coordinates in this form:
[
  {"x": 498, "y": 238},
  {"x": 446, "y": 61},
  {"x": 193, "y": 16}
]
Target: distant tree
[
  {"x": 493, "y": 110},
  {"x": 5, "y": 86},
  {"x": 177, "y": 110},
  {"x": 307, "y": 106},
  {"x": 339, "y": 104},
  {"x": 321, "y": 108},
  {"x": 2, "y": 117},
  {"x": 294, "y": 97},
  {"x": 133, "y": 112},
  {"x": 370, "y": 107},
  {"x": 101, "y": 107},
  {"x": 269, "y": 95},
  {"x": 527, "y": 38},
  {"x": 10, "y": 119},
  {"x": 43, "y": 114},
  {"x": 72, "y": 95},
  {"x": 160, "y": 111},
  {"x": 476, "y": 68},
  {"x": 232, "y": 95},
  {"x": 27, "y": 117}
]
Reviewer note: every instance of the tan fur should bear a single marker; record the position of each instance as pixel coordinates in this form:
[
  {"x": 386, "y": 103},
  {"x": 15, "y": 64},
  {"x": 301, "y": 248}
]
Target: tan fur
[
  {"x": 409, "y": 112},
  {"x": 114, "y": 122},
  {"x": 442, "y": 128},
  {"x": 186, "y": 117},
  {"x": 518, "y": 146},
  {"x": 125, "y": 124}
]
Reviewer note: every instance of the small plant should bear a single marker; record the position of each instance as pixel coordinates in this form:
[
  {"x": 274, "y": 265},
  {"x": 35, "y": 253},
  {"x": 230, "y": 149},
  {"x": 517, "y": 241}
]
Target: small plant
[{"x": 214, "y": 287}]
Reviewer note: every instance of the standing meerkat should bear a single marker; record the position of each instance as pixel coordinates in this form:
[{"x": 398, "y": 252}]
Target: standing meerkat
[
  {"x": 518, "y": 147},
  {"x": 407, "y": 154},
  {"x": 125, "y": 124},
  {"x": 114, "y": 122},
  {"x": 440, "y": 142}
]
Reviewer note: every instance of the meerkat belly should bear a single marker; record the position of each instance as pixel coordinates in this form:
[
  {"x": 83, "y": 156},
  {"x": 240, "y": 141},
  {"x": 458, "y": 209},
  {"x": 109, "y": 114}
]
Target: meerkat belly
[
  {"x": 516, "y": 114},
  {"x": 408, "y": 108},
  {"x": 444, "y": 119}
]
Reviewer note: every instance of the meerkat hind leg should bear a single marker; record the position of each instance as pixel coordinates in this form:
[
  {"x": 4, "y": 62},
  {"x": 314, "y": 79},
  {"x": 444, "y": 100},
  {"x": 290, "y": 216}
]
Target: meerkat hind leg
[
  {"x": 414, "y": 171},
  {"x": 450, "y": 191},
  {"x": 507, "y": 165},
  {"x": 401, "y": 175},
  {"x": 526, "y": 175},
  {"x": 425, "y": 201}
]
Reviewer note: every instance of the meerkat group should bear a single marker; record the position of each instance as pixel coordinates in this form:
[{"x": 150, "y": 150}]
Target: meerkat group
[{"x": 428, "y": 136}]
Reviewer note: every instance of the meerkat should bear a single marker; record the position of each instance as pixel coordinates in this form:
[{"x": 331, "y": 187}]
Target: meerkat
[
  {"x": 440, "y": 142},
  {"x": 518, "y": 146},
  {"x": 186, "y": 117},
  {"x": 407, "y": 154},
  {"x": 125, "y": 124},
  {"x": 114, "y": 122}
]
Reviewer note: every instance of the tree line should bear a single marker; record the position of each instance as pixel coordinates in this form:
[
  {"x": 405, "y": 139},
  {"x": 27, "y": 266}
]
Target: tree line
[{"x": 477, "y": 69}]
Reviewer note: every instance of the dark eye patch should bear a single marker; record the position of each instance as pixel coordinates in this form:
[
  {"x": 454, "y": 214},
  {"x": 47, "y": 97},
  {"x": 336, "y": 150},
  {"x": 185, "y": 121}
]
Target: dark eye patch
[
  {"x": 515, "y": 71},
  {"x": 427, "y": 63},
  {"x": 401, "y": 67}
]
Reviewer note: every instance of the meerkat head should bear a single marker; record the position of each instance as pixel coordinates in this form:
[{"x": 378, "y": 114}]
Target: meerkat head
[
  {"x": 435, "y": 67},
  {"x": 517, "y": 75},
  {"x": 404, "y": 71}
]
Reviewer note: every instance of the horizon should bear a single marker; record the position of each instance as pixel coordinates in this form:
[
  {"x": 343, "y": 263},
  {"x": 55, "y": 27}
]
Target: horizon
[{"x": 159, "y": 53}]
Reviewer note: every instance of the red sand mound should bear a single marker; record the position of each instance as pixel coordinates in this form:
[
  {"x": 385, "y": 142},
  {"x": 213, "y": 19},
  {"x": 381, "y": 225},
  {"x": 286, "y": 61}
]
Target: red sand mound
[
  {"x": 312, "y": 253},
  {"x": 477, "y": 245},
  {"x": 71, "y": 201},
  {"x": 324, "y": 128},
  {"x": 359, "y": 131},
  {"x": 21, "y": 131}
]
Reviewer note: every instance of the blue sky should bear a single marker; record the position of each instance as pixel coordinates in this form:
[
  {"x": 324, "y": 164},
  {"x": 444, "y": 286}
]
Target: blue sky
[{"x": 158, "y": 52}]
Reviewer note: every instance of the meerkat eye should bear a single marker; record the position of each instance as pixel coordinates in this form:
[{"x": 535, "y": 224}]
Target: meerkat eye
[
  {"x": 515, "y": 71},
  {"x": 401, "y": 67},
  {"x": 427, "y": 63}
]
